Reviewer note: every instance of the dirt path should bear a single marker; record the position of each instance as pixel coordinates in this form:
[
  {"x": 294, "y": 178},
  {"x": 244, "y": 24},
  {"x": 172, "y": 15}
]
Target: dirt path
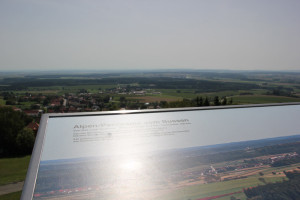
[{"x": 9, "y": 188}]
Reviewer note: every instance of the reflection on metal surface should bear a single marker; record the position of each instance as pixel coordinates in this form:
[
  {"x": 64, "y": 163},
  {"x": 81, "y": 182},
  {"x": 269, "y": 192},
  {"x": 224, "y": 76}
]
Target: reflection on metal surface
[
  {"x": 166, "y": 155},
  {"x": 131, "y": 165}
]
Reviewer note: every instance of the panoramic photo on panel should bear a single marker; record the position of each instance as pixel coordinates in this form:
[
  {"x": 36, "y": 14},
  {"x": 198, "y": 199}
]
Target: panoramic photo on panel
[
  {"x": 141, "y": 99},
  {"x": 193, "y": 154}
]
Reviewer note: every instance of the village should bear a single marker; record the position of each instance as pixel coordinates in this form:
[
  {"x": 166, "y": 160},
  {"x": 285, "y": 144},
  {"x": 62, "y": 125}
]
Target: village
[
  {"x": 83, "y": 101},
  {"x": 229, "y": 171}
]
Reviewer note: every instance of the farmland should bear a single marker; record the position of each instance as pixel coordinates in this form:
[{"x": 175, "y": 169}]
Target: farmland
[
  {"x": 76, "y": 92},
  {"x": 174, "y": 174},
  {"x": 38, "y": 93}
]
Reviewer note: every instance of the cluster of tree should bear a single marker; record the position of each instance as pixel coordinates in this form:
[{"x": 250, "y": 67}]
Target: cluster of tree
[
  {"x": 281, "y": 190},
  {"x": 12, "y": 98},
  {"x": 9, "y": 97},
  {"x": 282, "y": 91},
  {"x": 286, "y": 161},
  {"x": 205, "y": 102},
  {"x": 279, "y": 148},
  {"x": 16, "y": 139},
  {"x": 197, "y": 102}
]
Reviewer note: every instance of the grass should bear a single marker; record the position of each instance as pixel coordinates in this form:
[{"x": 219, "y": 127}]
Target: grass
[
  {"x": 217, "y": 188},
  {"x": 2, "y": 102},
  {"x": 285, "y": 168},
  {"x": 256, "y": 99},
  {"x": 149, "y": 99},
  {"x": 258, "y": 96},
  {"x": 11, "y": 196},
  {"x": 13, "y": 169},
  {"x": 192, "y": 93},
  {"x": 26, "y": 105},
  {"x": 60, "y": 90}
]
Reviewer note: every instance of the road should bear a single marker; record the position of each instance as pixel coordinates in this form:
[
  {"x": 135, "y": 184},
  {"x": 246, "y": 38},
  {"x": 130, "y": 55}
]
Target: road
[{"x": 9, "y": 188}]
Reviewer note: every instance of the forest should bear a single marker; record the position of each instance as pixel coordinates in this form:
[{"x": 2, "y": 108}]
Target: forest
[
  {"x": 285, "y": 190},
  {"x": 16, "y": 139},
  {"x": 143, "y": 82}
]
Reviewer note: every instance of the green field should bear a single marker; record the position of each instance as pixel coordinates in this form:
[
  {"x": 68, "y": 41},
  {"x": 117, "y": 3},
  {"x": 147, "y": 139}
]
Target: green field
[
  {"x": 217, "y": 188},
  {"x": 2, "y": 102},
  {"x": 231, "y": 186},
  {"x": 13, "y": 169},
  {"x": 172, "y": 95},
  {"x": 59, "y": 90},
  {"x": 11, "y": 196},
  {"x": 256, "y": 99},
  {"x": 257, "y": 96},
  {"x": 26, "y": 105}
]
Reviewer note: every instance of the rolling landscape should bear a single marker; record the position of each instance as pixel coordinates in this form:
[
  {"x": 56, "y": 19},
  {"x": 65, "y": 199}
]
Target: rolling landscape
[
  {"x": 78, "y": 92},
  {"x": 236, "y": 62},
  {"x": 237, "y": 170},
  {"x": 28, "y": 95}
]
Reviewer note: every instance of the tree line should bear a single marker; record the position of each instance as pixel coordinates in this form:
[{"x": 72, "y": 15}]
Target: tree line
[
  {"x": 289, "y": 190},
  {"x": 286, "y": 161},
  {"x": 16, "y": 139},
  {"x": 197, "y": 102}
]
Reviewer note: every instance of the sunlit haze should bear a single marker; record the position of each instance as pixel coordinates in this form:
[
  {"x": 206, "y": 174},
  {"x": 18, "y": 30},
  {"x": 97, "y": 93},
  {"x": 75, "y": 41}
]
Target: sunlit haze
[
  {"x": 139, "y": 34},
  {"x": 131, "y": 165}
]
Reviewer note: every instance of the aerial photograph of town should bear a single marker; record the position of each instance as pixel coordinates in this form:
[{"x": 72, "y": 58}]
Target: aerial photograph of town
[
  {"x": 265, "y": 168},
  {"x": 100, "y": 60}
]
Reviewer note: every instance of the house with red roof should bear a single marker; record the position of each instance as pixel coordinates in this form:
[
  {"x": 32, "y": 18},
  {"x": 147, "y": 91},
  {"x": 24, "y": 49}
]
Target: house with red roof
[{"x": 34, "y": 127}]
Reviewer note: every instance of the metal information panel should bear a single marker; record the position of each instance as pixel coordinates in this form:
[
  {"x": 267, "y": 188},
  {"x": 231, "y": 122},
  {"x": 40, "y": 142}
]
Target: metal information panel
[{"x": 163, "y": 154}]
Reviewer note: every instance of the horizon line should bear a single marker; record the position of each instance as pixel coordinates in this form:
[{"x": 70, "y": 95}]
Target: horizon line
[{"x": 143, "y": 70}]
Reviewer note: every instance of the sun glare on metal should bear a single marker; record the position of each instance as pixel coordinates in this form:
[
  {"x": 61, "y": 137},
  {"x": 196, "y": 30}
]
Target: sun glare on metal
[{"x": 131, "y": 165}]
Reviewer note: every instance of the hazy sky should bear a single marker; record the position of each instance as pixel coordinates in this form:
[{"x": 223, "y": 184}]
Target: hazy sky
[{"x": 152, "y": 34}]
